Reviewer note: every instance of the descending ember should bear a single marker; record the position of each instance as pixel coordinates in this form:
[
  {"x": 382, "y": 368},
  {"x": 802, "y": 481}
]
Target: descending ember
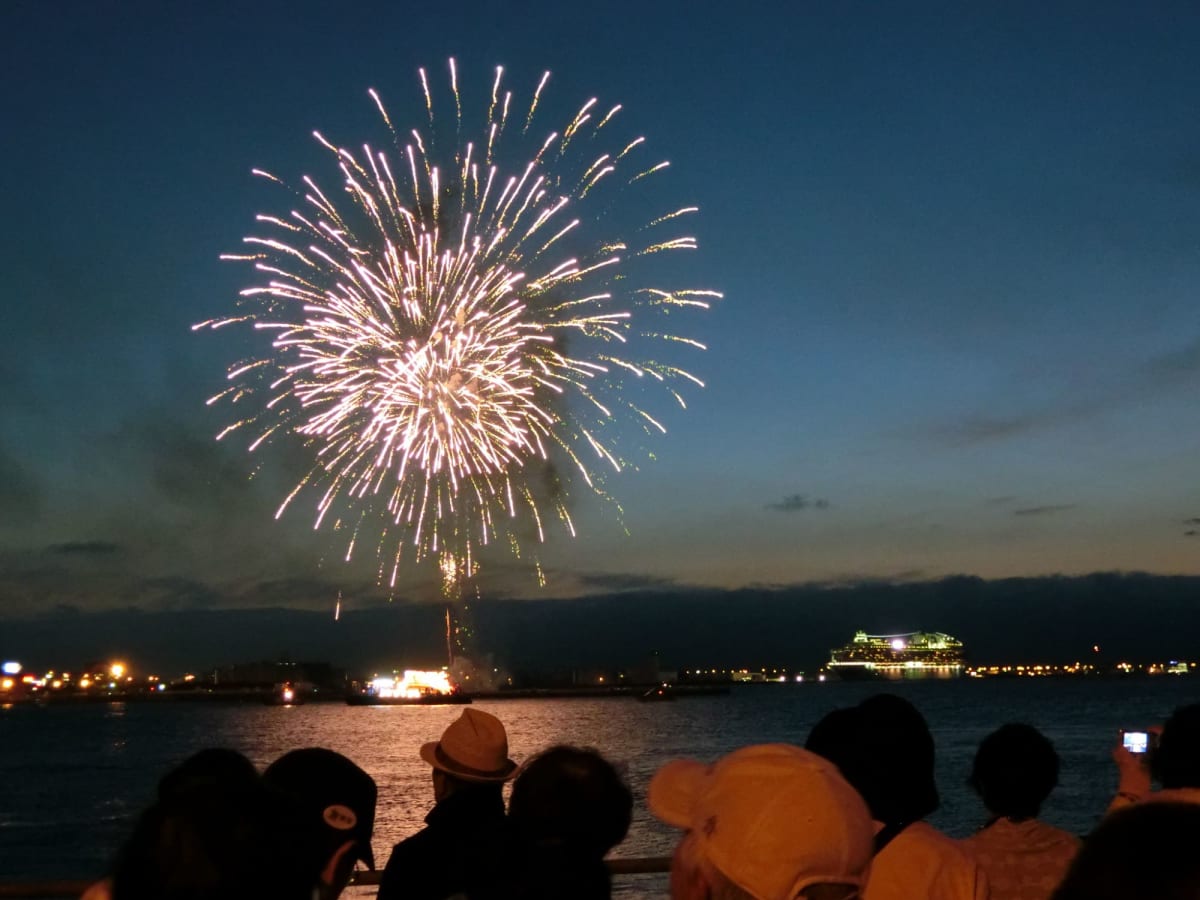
[{"x": 449, "y": 339}]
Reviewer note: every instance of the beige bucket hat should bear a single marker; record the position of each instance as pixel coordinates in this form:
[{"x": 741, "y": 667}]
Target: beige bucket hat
[{"x": 473, "y": 748}]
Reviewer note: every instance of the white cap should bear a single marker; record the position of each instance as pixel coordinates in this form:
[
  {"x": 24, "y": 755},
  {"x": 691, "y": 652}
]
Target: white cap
[{"x": 772, "y": 818}]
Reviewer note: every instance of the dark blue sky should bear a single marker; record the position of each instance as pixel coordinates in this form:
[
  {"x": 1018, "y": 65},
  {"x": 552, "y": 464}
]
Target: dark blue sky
[{"x": 959, "y": 244}]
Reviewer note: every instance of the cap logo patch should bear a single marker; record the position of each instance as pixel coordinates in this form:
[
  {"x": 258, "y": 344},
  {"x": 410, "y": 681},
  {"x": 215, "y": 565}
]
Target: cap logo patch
[{"x": 340, "y": 817}]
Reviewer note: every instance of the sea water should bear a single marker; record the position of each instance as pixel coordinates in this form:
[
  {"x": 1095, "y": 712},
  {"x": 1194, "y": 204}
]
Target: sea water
[{"x": 72, "y": 777}]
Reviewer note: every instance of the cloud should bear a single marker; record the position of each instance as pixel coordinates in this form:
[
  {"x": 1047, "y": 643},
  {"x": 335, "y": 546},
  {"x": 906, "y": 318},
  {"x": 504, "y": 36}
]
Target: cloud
[
  {"x": 624, "y": 581},
  {"x": 303, "y": 591},
  {"x": 1173, "y": 169},
  {"x": 1169, "y": 369},
  {"x": 20, "y": 493},
  {"x": 85, "y": 548},
  {"x": 796, "y": 503},
  {"x": 975, "y": 429},
  {"x": 1132, "y": 385},
  {"x": 172, "y": 593},
  {"x": 1193, "y": 521},
  {"x": 1043, "y": 510},
  {"x": 856, "y": 580}
]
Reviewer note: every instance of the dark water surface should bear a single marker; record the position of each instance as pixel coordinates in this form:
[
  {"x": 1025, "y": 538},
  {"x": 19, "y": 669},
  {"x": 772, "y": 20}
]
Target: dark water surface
[{"x": 72, "y": 777}]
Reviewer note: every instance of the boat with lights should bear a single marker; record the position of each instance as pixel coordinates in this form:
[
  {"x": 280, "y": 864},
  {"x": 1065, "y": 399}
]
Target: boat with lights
[
  {"x": 428, "y": 699},
  {"x": 916, "y": 654},
  {"x": 414, "y": 688}
]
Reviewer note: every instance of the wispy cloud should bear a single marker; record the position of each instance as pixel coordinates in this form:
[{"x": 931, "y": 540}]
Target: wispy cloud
[
  {"x": 85, "y": 548},
  {"x": 798, "y": 502},
  {"x": 176, "y": 593},
  {"x": 21, "y": 494},
  {"x": 1169, "y": 369},
  {"x": 976, "y": 429},
  {"x": 1043, "y": 510},
  {"x": 1109, "y": 391},
  {"x": 624, "y": 581},
  {"x": 860, "y": 579}
]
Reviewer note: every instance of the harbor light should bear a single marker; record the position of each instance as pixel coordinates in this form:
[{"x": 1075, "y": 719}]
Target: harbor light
[
  {"x": 117, "y": 670},
  {"x": 11, "y": 668}
]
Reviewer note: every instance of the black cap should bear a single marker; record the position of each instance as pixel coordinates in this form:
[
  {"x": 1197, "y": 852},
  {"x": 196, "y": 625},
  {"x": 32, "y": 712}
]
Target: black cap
[{"x": 337, "y": 795}]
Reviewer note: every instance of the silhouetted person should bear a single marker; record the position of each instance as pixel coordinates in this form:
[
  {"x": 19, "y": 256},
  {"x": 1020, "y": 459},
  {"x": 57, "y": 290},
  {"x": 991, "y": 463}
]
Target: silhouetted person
[
  {"x": 1015, "y": 770},
  {"x": 214, "y": 767},
  {"x": 216, "y": 839},
  {"x": 767, "y": 822},
  {"x": 568, "y": 808},
  {"x": 463, "y": 846},
  {"x": 335, "y": 800},
  {"x": 1147, "y": 851},
  {"x": 884, "y": 749},
  {"x": 1174, "y": 763}
]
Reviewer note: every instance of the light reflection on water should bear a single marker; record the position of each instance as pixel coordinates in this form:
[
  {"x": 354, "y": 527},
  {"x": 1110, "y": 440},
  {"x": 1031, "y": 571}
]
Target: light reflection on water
[{"x": 72, "y": 777}]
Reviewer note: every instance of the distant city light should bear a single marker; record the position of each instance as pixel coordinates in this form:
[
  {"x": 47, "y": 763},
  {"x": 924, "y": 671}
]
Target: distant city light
[
  {"x": 11, "y": 668},
  {"x": 117, "y": 670}
]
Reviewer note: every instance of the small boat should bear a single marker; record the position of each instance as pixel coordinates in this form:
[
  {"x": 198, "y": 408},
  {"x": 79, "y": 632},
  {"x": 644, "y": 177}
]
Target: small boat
[
  {"x": 658, "y": 694},
  {"x": 284, "y": 695}
]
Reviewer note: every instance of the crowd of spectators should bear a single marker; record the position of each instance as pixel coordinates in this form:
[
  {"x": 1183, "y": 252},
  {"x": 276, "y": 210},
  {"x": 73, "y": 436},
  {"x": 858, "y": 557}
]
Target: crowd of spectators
[{"x": 843, "y": 817}]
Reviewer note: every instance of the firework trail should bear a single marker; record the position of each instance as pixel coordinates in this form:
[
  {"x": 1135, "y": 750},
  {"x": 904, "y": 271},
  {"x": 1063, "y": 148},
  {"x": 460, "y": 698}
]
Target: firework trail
[{"x": 450, "y": 334}]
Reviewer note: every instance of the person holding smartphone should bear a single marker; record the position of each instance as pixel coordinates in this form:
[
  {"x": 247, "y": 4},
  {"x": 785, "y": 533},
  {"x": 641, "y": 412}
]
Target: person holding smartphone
[{"x": 1174, "y": 762}]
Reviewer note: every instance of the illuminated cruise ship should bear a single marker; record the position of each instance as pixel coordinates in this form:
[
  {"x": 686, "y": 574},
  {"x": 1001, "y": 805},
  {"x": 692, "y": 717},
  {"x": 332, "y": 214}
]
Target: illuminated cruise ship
[{"x": 920, "y": 654}]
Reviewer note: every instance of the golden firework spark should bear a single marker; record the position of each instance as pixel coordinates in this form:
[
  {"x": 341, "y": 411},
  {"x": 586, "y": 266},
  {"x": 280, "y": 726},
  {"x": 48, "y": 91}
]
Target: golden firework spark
[{"x": 450, "y": 335}]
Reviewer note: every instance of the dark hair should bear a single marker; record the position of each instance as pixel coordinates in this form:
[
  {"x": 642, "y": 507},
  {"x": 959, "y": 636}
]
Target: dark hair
[
  {"x": 836, "y": 737},
  {"x": 1147, "y": 850},
  {"x": 1015, "y": 770},
  {"x": 1176, "y": 760},
  {"x": 572, "y": 797},
  {"x": 214, "y": 765},
  {"x": 884, "y": 749},
  {"x": 232, "y": 840}
]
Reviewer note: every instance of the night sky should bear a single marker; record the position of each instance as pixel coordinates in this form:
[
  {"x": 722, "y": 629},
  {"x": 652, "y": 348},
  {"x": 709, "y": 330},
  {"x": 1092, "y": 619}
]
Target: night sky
[{"x": 959, "y": 246}]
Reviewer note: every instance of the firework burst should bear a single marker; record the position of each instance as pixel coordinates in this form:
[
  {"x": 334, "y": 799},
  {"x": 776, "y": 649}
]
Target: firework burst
[{"x": 451, "y": 337}]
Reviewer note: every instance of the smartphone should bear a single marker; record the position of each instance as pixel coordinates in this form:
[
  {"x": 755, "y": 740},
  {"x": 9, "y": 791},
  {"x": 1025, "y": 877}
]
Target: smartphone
[{"x": 1135, "y": 741}]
